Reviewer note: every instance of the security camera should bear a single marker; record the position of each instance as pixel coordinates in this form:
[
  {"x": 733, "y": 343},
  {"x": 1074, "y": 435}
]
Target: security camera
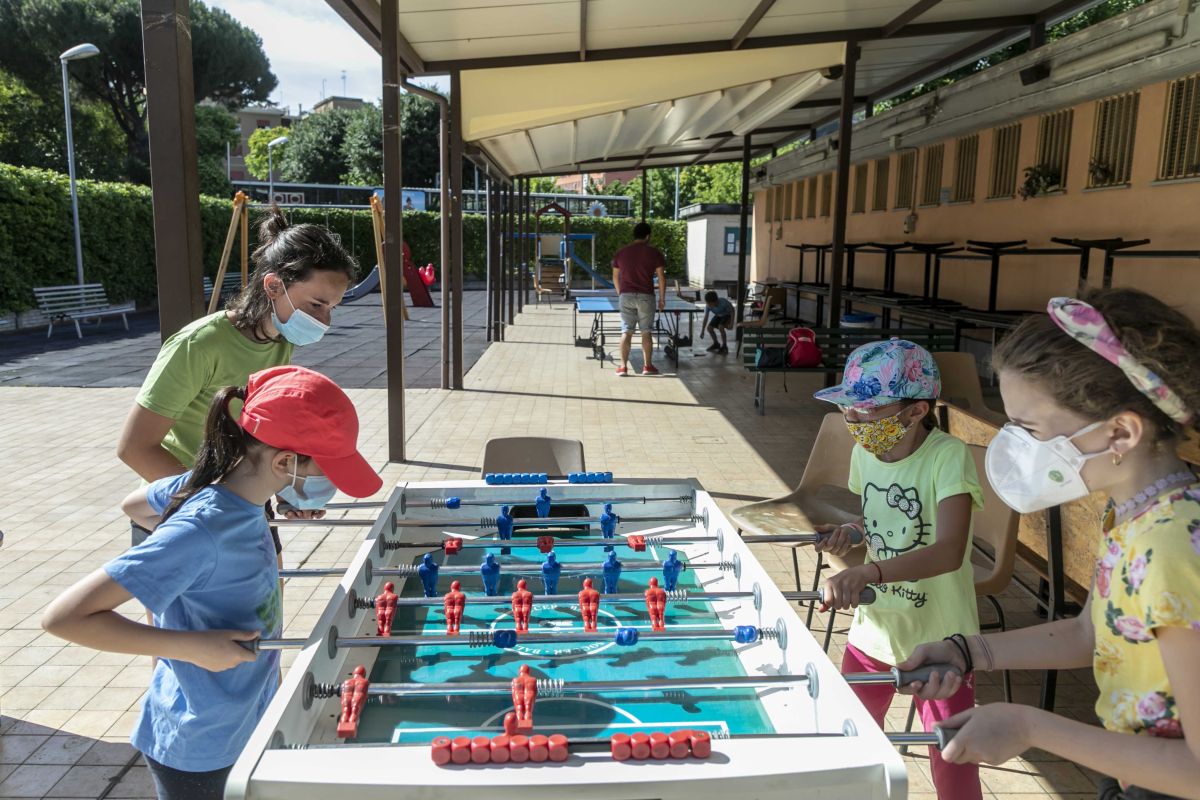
[{"x": 832, "y": 73}]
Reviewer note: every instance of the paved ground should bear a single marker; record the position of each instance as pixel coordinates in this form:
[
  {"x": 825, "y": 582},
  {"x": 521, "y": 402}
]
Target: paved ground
[
  {"x": 352, "y": 352},
  {"x": 67, "y": 711}
]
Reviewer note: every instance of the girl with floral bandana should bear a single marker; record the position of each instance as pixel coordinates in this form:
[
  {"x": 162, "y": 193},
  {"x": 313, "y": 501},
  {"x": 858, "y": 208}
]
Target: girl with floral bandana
[
  {"x": 918, "y": 487},
  {"x": 1100, "y": 391}
]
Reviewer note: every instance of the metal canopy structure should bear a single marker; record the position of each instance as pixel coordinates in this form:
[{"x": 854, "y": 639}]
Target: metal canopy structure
[{"x": 566, "y": 86}]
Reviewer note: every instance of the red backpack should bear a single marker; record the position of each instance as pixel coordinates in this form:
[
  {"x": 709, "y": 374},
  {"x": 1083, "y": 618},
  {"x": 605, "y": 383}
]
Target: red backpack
[{"x": 802, "y": 350}]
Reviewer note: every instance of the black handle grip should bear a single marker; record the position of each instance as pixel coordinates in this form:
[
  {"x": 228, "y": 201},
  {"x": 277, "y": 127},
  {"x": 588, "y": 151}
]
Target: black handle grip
[
  {"x": 249, "y": 644},
  {"x": 903, "y": 678},
  {"x": 856, "y": 536},
  {"x": 866, "y": 596},
  {"x": 944, "y": 736}
]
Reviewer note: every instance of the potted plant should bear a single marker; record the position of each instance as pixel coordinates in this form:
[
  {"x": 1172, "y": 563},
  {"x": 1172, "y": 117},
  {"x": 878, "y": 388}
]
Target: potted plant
[{"x": 1039, "y": 179}]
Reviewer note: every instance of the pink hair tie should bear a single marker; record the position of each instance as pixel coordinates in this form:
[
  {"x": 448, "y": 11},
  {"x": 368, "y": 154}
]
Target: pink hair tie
[{"x": 1086, "y": 325}]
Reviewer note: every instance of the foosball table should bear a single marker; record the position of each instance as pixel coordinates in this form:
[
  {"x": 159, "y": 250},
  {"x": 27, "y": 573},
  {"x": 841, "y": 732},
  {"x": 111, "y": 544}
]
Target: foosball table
[{"x": 524, "y": 638}]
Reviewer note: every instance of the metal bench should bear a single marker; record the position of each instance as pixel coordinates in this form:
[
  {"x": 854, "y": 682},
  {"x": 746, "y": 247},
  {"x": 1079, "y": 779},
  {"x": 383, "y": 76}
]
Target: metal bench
[
  {"x": 78, "y": 302},
  {"x": 231, "y": 285},
  {"x": 835, "y": 343}
]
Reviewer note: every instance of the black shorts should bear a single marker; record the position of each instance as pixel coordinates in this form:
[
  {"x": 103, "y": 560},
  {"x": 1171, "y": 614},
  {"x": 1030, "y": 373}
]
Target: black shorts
[
  {"x": 1110, "y": 789},
  {"x": 138, "y": 534},
  {"x": 719, "y": 321}
]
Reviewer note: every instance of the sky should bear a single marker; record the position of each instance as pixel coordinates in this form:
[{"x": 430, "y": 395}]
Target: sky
[{"x": 307, "y": 43}]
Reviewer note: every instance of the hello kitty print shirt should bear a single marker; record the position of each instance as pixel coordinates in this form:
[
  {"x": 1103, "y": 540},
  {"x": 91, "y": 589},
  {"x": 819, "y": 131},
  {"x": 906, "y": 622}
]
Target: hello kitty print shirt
[{"x": 1147, "y": 577}]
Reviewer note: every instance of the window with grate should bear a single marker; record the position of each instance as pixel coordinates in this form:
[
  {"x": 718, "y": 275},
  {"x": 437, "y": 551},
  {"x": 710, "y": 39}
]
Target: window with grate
[
  {"x": 769, "y": 204},
  {"x": 812, "y": 198},
  {"x": 1180, "y": 156},
  {"x": 882, "y": 171},
  {"x": 906, "y": 176},
  {"x": 787, "y": 201},
  {"x": 860, "y": 188},
  {"x": 966, "y": 153},
  {"x": 931, "y": 177},
  {"x": 798, "y": 199},
  {"x": 1054, "y": 146},
  {"x": 826, "y": 194},
  {"x": 1112, "y": 140},
  {"x": 1006, "y": 146},
  {"x": 778, "y": 203}
]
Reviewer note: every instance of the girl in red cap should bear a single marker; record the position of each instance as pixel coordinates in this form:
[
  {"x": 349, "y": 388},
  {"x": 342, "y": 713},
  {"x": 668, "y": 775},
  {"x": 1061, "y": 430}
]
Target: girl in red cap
[{"x": 209, "y": 574}]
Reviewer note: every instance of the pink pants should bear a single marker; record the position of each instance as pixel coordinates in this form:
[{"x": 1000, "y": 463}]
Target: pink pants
[{"x": 953, "y": 781}]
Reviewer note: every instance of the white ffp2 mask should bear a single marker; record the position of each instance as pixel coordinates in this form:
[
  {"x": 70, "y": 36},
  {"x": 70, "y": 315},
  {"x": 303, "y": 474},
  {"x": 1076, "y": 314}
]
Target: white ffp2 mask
[{"x": 1031, "y": 475}]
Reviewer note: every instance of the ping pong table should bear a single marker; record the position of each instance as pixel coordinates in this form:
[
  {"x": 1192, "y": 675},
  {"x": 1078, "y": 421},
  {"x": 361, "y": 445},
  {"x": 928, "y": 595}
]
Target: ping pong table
[{"x": 666, "y": 322}]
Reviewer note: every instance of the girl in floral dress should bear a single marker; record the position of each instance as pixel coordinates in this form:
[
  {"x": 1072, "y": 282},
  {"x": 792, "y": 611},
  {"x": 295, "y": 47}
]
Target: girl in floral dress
[{"x": 1100, "y": 391}]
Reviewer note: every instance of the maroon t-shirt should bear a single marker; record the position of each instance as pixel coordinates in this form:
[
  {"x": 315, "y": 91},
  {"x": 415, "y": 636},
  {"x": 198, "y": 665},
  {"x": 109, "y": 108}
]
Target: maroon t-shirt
[{"x": 638, "y": 262}]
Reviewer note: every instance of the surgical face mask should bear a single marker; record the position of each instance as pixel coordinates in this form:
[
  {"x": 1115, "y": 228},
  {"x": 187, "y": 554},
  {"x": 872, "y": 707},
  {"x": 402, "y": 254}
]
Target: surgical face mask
[
  {"x": 878, "y": 436},
  {"x": 301, "y": 328},
  {"x": 318, "y": 491},
  {"x": 1031, "y": 475}
]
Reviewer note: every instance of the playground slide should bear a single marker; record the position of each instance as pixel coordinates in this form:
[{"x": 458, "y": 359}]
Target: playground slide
[
  {"x": 586, "y": 267},
  {"x": 366, "y": 286}
]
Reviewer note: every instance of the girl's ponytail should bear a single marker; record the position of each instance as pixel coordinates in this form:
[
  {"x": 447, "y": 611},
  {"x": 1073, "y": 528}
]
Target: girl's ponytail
[{"x": 225, "y": 444}]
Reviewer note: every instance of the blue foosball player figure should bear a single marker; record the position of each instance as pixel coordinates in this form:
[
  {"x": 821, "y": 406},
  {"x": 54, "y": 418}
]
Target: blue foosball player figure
[
  {"x": 542, "y": 504},
  {"x": 490, "y": 570},
  {"x": 504, "y": 523},
  {"x": 428, "y": 572},
  {"x": 612, "y": 573},
  {"x": 671, "y": 569},
  {"x": 551, "y": 569},
  {"x": 608, "y": 522}
]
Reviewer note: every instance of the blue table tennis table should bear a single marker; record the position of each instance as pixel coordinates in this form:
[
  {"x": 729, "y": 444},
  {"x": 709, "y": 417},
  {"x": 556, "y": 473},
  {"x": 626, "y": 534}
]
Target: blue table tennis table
[{"x": 666, "y": 323}]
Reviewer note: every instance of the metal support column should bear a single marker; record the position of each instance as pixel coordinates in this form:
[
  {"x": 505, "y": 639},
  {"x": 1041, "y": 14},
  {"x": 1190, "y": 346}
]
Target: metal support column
[
  {"x": 456, "y": 232},
  {"x": 841, "y": 195},
  {"x": 510, "y": 288},
  {"x": 645, "y": 195},
  {"x": 392, "y": 267},
  {"x": 743, "y": 235},
  {"x": 522, "y": 288},
  {"x": 175, "y": 187}
]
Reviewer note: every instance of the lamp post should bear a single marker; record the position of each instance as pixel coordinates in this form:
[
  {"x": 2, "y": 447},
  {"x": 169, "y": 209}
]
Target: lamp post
[
  {"x": 76, "y": 53},
  {"x": 271, "y": 145}
]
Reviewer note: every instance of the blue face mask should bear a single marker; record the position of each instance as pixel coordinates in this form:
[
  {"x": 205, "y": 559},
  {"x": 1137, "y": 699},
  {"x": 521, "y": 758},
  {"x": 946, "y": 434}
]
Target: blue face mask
[
  {"x": 318, "y": 491},
  {"x": 301, "y": 327}
]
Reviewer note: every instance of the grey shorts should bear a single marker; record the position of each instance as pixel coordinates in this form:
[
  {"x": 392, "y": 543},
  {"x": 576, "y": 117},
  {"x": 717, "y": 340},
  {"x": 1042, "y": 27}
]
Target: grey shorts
[{"x": 637, "y": 310}]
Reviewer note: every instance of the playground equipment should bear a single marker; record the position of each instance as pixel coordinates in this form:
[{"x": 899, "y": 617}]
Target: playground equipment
[
  {"x": 553, "y": 273},
  {"x": 411, "y": 277},
  {"x": 239, "y": 220}
]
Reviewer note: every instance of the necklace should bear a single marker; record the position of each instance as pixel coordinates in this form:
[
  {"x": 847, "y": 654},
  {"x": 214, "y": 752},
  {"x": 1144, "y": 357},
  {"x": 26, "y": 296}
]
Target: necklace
[{"x": 1146, "y": 496}]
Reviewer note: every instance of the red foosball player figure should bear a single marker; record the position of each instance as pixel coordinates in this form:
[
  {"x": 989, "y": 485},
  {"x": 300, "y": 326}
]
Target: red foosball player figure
[
  {"x": 354, "y": 694},
  {"x": 656, "y": 605},
  {"x": 522, "y": 605},
  {"x": 589, "y": 605},
  {"x": 385, "y": 609},
  {"x": 524, "y": 695},
  {"x": 454, "y": 603}
]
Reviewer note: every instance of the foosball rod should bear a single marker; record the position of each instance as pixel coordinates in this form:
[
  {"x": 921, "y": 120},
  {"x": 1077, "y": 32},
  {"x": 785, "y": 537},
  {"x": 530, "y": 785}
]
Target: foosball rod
[
  {"x": 490, "y": 522},
  {"x": 456, "y": 502},
  {"x": 866, "y": 597},
  {"x": 410, "y": 570}
]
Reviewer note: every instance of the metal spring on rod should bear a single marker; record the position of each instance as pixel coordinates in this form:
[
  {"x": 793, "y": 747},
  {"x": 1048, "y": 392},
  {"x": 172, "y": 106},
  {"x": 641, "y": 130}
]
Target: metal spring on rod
[
  {"x": 479, "y": 638},
  {"x": 323, "y": 691},
  {"x": 768, "y": 634},
  {"x": 437, "y": 502},
  {"x": 677, "y": 595},
  {"x": 550, "y": 687},
  {"x": 364, "y": 602}
]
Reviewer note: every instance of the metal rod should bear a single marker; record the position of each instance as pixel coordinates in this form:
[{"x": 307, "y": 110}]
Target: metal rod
[
  {"x": 486, "y": 522},
  {"x": 554, "y": 688},
  {"x": 588, "y": 541},
  {"x": 593, "y": 741},
  {"x": 677, "y": 596},
  {"x": 440, "y": 502},
  {"x": 410, "y": 570},
  {"x": 484, "y": 638}
]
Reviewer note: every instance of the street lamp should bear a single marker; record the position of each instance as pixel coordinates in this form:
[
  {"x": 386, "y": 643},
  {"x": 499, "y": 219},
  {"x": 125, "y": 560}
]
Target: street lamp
[
  {"x": 271, "y": 145},
  {"x": 76, "y": 53}
]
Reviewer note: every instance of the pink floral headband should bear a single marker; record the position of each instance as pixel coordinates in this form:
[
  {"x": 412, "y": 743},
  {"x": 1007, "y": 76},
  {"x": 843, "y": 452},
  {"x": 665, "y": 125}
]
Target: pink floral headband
[{"x": 1087, "y": 326}]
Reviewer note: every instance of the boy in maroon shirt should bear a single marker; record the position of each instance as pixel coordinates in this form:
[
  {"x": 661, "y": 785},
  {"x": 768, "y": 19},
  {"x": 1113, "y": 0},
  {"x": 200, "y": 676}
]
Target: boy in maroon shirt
[{"x": 634, "y": 269}]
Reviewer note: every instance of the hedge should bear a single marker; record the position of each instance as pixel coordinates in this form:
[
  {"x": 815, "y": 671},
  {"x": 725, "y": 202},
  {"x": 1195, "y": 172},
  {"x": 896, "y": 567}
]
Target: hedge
[{"x": 117, "y": 230}]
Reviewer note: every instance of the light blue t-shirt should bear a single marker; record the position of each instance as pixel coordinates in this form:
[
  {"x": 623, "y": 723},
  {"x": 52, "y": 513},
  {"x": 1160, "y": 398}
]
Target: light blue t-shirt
[
  {"x": 723, "y": 308},
  {"x": 210, "y": 566}
]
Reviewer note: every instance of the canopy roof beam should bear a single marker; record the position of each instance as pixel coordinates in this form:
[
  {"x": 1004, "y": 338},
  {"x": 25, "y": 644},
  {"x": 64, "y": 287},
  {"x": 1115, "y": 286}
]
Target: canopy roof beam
[
  {"x": 908, "y": 15},
  {"x": 744, "y": 32}
]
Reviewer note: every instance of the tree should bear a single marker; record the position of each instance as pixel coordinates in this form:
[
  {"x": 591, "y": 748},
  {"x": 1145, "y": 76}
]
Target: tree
[
  {"x": 418, "y": 140},
  {"x": 216, "y": 129},
  {"x": 314, "y": 149},
  {"x": 362, "y": 148},
  {"x": 228, "y": 64},
  {"x": 256, "y": 158}
]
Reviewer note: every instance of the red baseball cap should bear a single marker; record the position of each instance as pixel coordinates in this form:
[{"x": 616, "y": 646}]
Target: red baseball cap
[{"x": 294, "y": 408}]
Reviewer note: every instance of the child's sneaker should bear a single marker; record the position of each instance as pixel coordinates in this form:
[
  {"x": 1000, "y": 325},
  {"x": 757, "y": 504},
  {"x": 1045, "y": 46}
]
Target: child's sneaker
[
  {"x": 622, "y": 372},
  {"x": 649, "y": 369},
  {"x": 712, "y": 348}
]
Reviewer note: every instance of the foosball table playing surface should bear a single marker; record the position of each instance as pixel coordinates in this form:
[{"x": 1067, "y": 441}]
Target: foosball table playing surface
[{"x": 697, "y": 679}]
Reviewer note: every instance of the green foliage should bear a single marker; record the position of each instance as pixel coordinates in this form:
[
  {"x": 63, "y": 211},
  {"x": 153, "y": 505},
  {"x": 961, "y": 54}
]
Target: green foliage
[
  {"x": 419, "y": 126},
  {"x": 711, "y": 183},
  {"x": 117, "y": 225},
  {"x": 216, "y": 129},
  {"x": 362, "y": 147},
  {"x": 314, "y": 150},
  {"x": 229, "y": 66},
  {"x": 257, "y": 158}
]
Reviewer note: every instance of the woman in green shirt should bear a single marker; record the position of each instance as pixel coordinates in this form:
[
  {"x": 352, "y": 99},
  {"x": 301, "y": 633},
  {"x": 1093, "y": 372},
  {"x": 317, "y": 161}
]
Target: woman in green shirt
[{"x": 300, "y": 274}]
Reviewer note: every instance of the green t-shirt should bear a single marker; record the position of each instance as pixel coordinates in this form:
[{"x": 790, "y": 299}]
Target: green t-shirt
[
  {"x": 192, "y": 366},
  {"x": 899, "y": 503}
]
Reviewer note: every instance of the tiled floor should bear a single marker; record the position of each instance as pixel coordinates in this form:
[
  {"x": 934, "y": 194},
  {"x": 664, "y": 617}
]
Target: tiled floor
[{"x": 67, "y": 711}]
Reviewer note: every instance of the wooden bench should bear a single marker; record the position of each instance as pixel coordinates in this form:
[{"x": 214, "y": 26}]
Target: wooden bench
[
  {"x": 835, "y": 343},
  {"x": 78, "y": 302},
  {"x": 231, "y": 285}
]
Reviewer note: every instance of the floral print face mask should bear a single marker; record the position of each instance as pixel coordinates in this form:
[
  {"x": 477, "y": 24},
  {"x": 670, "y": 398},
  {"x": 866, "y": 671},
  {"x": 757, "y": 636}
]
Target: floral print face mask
[{"x": 879, "y": 436}]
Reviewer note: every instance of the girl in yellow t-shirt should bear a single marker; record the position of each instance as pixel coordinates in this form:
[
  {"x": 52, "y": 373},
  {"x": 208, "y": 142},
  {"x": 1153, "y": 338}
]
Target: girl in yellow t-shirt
[
  {"x": 1099, "y": 391},
  {"x": 919, "y": 488}
]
